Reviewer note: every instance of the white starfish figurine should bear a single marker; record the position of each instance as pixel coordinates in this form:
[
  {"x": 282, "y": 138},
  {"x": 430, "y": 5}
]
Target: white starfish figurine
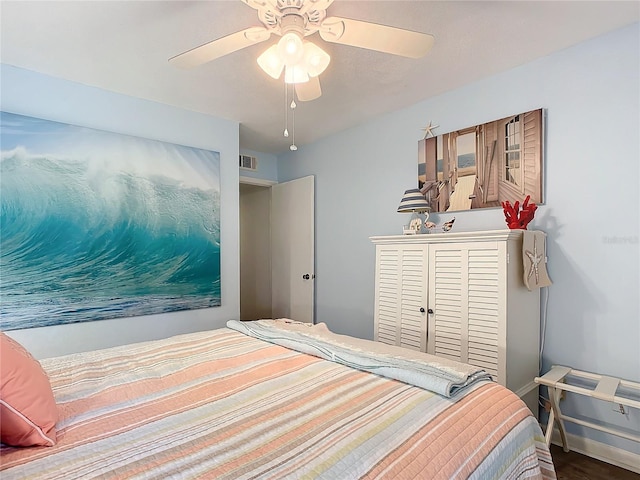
[
  {"x": 535, "y": 260},
  {"x": 428, "y": 130}
]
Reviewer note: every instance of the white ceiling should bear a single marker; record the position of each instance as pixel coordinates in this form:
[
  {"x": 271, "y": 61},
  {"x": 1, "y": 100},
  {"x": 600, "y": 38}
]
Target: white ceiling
[{"x": 123, "y": 46}]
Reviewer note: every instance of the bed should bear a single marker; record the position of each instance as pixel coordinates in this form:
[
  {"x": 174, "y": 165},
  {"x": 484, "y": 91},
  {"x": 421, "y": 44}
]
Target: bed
[{"x": 277, "y": 399}]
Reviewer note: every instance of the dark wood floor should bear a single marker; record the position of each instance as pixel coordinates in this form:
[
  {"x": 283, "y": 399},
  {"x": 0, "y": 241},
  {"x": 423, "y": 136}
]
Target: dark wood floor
[{"x": 574, "y": 466}]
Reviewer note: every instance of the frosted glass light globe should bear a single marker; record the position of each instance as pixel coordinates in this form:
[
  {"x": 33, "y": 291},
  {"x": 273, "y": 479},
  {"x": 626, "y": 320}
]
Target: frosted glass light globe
[
  {"x": 290, "y": 49},
  {"x": 315, "y": 59},
  {"x": 271, "y": 62}
]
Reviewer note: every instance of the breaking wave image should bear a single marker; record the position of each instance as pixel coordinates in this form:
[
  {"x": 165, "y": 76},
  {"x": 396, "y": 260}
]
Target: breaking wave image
[{"x": 102, "y": 232}]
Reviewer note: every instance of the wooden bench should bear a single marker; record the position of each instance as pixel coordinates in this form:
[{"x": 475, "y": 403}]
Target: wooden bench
[{"x": 605, "y": 389}]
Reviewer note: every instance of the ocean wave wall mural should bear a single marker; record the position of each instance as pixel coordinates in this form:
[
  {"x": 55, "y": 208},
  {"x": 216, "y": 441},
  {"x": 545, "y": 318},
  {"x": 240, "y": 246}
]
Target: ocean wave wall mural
[{"x": 97, "y": 225}]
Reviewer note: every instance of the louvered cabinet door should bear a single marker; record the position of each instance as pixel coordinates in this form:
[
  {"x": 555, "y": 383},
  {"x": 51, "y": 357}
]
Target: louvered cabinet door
[
  {"x": 486, "y": 306},
  {"x": 400, "y": 296},
  {"x": 467, "y": 298},
  {"x": 446, "y": 294},
  {"x": 386, "y": 293}
]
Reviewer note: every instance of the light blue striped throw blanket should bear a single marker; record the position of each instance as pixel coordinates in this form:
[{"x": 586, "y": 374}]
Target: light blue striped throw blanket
[{"x": 439, "y": 375}]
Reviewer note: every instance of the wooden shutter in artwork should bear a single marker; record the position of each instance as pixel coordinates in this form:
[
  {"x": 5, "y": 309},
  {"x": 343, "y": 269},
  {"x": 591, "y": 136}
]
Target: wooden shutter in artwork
[
  {"x": 493, "y": 162},
  {"x": 484, "y": 294},
  {"x": 446, "y": 294},
  {"x": 400, "y": 294},
  {"x": 532, "y": 153}
]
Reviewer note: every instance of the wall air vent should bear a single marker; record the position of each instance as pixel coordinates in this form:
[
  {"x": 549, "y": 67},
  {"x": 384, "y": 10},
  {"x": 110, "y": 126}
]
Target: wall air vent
[{"x": 248, "y": 163}]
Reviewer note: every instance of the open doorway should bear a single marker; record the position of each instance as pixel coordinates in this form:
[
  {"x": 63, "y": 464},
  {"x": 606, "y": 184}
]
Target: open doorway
[
  {"x": 277, "y": 266},
  {"x": 255, "y": 251}
]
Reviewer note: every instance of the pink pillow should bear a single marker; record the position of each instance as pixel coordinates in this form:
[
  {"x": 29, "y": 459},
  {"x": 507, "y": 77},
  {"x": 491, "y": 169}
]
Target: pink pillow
[{"x": 28, "y": 411}]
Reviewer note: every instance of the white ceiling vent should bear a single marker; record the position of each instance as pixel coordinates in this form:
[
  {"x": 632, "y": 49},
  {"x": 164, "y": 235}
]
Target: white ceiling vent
[{"x": 248, "y": 162}]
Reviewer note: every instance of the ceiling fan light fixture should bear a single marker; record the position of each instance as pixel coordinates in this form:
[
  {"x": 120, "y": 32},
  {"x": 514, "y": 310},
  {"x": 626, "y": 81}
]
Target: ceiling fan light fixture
[
  {"x": 295, "y": 74},
  {"x": 315, "y": 59},
  {"x": 271, "y": 62},
  {"x": 302, "y": 60}
]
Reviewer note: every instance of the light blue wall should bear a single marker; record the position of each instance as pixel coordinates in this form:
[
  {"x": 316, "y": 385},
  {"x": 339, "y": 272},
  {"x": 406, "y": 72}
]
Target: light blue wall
[
  {"x": 267, "y": 166},
  {"x": 591, "y": 94},
  {"x": 29, "y": 93}
]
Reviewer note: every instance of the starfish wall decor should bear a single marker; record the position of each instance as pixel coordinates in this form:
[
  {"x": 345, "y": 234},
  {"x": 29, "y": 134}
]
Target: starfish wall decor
[
  {"x": 534, "y": 260},
  {"x": 428, "y": 130}
]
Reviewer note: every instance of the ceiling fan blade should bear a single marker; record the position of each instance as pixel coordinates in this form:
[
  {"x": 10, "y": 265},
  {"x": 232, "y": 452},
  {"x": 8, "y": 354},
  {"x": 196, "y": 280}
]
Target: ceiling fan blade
[
  {"x": 220, "y": 47},
  {"x": 309, "y": 90},
  {"x": 356, "y": 33}
]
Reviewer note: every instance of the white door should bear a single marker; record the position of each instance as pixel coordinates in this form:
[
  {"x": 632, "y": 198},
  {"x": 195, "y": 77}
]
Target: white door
[{"x": 292, "y": 249}]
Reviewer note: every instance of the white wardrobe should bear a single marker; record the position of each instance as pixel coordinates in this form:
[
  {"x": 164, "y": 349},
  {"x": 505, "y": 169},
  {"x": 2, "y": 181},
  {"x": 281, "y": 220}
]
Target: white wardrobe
[{"x": 461, "y": 296}]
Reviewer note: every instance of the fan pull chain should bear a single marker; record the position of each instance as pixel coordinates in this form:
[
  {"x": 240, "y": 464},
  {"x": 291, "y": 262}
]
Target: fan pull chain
[
  {"x": 293, "y": 146},
  {"x": 291, "y": 106},
  {"x": 286, "y": 111}
]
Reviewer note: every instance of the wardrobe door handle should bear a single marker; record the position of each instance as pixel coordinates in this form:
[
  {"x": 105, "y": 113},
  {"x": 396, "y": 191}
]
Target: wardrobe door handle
[
  {"x": 421, "y": 309},
  {"x": 430, "y": 311}
]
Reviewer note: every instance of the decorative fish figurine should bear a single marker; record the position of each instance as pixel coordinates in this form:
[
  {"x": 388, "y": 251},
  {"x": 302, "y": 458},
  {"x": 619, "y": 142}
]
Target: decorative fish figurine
[{"x": 446, "y": 226}]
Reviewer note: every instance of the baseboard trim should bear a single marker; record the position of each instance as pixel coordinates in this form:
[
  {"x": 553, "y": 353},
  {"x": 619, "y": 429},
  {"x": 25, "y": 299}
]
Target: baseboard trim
[
  {"x": 522, "y": 391},
  {"x": 600, "y": 451}
]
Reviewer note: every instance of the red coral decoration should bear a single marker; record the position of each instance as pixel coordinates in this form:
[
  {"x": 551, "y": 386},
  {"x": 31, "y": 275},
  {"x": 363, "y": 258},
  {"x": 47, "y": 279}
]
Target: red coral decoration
[{"x": 517, "y": 218}]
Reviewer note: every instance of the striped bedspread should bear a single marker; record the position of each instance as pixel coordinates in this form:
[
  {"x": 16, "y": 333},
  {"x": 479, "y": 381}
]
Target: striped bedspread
[{"x": 224, "y": 405}]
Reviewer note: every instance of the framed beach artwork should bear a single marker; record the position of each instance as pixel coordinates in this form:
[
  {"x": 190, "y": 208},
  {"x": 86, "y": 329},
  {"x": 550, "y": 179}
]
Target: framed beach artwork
[
  {"x": 97, "y": 225},
  {"x": 484, "y": 165}
]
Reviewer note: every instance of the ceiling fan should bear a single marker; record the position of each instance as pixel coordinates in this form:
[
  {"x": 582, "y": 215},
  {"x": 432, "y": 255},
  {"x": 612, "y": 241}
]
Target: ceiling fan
[{"x": 301, "y": 60}]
